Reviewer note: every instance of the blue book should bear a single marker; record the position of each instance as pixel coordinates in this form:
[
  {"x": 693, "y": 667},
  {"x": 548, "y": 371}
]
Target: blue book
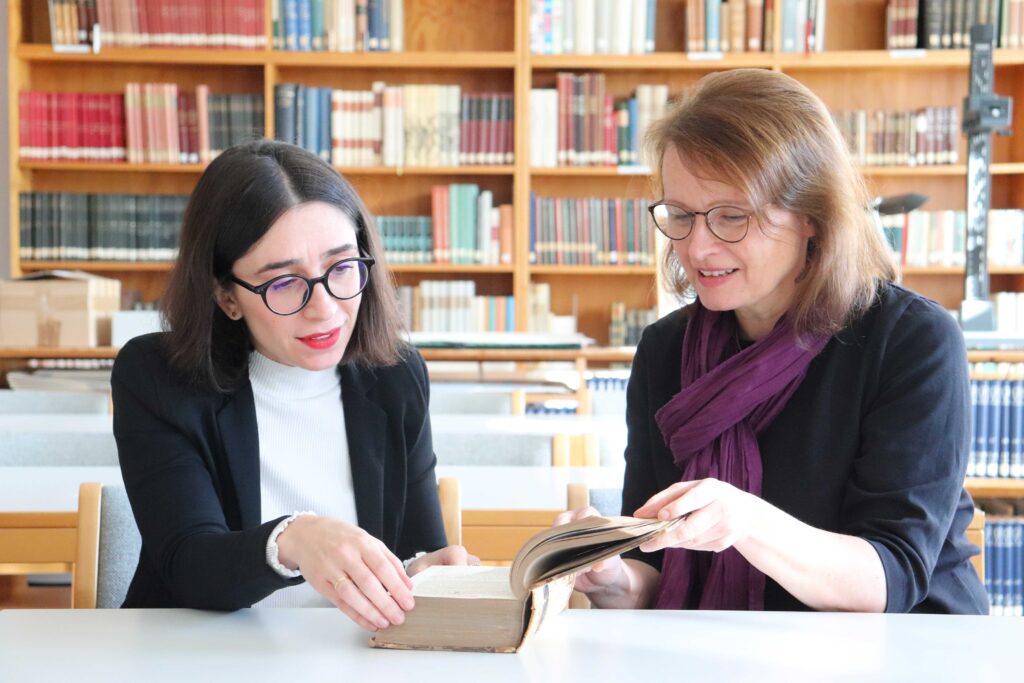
[
  {"x": 1018, "y": 563},
  {"x": 1017, "y": 440},
  {"x": 305, "y": 28},
  {"x": 284, "y": 112},
  {"x": 291, "y": 24},
  {"x": 712, "y": 25},
  {"x": 1005, "y": 410},
  {"x": 989, "y": 559},
  {"x": 510, "y": 313},
  {"x": 992, "y": 454},
  {"x": 325, "y": 124},
  {"x": 373, "y": 21},
  {"x": 984, "y": 391},
  {"x": 311, "y": 132},
  {"x": 652, "y": 13}
]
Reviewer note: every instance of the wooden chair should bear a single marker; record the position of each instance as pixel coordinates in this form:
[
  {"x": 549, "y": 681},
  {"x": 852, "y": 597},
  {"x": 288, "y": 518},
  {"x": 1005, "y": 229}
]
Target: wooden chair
[
  {"x": 492, "y": 535},
  {"x": 976, "y": 535},
  {"x": 52, "y": 542}
]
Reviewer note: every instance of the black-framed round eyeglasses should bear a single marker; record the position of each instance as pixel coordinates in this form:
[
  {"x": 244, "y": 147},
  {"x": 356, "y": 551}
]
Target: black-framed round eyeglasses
[
  {"x": 727, "y": 223},
  {"x": 289, "y": 294}
]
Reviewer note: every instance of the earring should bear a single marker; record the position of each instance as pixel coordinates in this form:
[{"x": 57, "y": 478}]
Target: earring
[{"x": 234, "y": 315}]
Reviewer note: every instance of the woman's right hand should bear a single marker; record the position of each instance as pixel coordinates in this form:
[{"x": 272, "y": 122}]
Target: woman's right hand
[
  {"x": 601, "y": 577},
  {"x": 353, "y": 570}
]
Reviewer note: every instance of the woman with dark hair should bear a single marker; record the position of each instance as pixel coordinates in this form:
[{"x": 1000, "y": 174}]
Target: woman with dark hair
[
  {"x": 807, "y": 415},
  {"x": 281, "y": 387}
]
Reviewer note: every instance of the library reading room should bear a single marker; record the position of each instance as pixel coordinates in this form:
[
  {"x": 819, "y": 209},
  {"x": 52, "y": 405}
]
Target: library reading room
[{"x": 512, "y": 340}]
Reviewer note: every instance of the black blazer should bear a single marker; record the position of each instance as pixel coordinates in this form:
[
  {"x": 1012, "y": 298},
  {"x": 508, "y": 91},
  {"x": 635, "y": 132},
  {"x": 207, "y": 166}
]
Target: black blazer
[
  {"x": 873, "y": 443},
  {"x": 190, "y": 462}
]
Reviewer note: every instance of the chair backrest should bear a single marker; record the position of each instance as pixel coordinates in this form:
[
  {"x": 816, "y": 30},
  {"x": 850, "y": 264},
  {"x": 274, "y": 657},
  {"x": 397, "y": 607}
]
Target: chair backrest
[
  {"x": 976, "y": 535},
  {"x": 607, "y": 501},
  {"x": 107, "y": 556},
  {"x": 37, "y": 402}
]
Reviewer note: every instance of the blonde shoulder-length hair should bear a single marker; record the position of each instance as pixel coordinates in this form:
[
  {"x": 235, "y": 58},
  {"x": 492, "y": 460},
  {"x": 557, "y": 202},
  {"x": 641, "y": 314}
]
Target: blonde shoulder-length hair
[{"x": 773, "y": 139}]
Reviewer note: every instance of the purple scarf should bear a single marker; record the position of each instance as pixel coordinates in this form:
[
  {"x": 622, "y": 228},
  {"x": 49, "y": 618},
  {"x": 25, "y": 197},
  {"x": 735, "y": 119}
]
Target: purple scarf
[{"x": 727, "y": 398}]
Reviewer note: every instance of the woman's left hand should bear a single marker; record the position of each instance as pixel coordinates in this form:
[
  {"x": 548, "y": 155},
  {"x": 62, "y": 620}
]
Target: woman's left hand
[
  {"x": 451, "y": 555},
  {"x": 719, "y": 515}
]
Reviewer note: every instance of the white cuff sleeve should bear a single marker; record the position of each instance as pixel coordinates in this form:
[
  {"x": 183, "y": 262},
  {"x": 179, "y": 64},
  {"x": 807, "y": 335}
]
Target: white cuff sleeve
[
  {"x": 407, "y": 562},
  {"x": 272, "y": 550}
]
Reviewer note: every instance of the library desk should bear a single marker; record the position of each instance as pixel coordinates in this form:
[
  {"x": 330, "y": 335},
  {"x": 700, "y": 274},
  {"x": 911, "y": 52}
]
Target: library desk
[{"x": 579, "y": 645}]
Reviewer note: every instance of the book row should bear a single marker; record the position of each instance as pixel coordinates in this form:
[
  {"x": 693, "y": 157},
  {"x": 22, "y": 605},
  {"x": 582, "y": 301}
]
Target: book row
[
  {"x": 923, "y": 137},
  {"x": 398, "y": 125},
  {"x": 592, "y": 27},
  {"x": 454, "y": 306},
  {"x": 742, "y": 25},
  {"x": 936, "y": 238},
  {"x": 1004, "y": 557},
  {"x": 997, "y": 428},
  {"x": 465, "y": 226},
  {"x": 627, "y": 324},
  {"x": 578, "y": 124},
  {"x": 69, "y": 226},
  {"x": 150, "y": 122},
  {"x": 235, "y": 24},
  {"x": 590, "y": 231},
  {"x": 338, "y": 25},
  {"x": 946, "y": 24}
]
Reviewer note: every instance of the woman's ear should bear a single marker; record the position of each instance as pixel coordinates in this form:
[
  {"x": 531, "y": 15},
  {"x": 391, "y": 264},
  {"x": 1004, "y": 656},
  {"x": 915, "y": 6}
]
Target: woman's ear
[{"x": 227, "y": 302}]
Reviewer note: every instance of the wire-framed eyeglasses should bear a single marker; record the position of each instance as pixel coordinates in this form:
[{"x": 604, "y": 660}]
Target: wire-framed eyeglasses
[
  {"x": 288, "y": 294},
  {"x": 727, "y": 223}
]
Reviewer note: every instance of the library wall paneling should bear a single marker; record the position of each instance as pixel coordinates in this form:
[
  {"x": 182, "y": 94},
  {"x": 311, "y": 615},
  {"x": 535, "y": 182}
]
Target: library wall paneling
[{"x": 485, "y": 47}]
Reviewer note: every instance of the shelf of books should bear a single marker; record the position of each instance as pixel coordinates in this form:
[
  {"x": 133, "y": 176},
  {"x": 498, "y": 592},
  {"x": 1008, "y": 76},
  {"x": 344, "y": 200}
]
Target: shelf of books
[{"x": 497, "y": 142}]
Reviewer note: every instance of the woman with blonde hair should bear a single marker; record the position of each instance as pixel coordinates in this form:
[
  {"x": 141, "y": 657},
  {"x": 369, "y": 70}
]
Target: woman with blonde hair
[{"x": 805, "y": 413}]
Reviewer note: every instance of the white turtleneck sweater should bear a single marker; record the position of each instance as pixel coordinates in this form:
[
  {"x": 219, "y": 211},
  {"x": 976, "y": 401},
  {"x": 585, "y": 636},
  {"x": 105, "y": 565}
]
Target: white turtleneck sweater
[{"x": 304, "y": 460}]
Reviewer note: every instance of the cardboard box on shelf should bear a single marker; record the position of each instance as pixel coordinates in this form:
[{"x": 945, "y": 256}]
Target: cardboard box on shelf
[{"x": 59, "y": 308}]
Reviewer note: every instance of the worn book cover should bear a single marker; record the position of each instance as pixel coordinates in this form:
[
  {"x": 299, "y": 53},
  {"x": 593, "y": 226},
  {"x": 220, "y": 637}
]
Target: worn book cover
[{"x": 496, "y": 609}]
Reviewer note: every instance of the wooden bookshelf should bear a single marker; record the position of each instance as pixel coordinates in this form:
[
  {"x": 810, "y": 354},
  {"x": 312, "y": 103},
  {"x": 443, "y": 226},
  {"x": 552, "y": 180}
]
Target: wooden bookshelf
[
  {"x": 485, "y": 46},
  {"x": 981, "y": 487}
]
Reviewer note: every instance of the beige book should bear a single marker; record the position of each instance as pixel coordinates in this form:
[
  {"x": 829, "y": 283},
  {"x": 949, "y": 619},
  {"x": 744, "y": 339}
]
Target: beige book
[{"x": 496, "y": 609}]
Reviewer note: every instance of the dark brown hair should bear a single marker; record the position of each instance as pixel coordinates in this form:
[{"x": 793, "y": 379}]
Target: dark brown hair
[
  {"x": 769, "y": 136},
  {"x": 237, "y": 199}
]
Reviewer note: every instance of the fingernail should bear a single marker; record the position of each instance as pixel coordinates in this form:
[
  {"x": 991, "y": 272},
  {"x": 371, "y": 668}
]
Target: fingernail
[
  {"x": 383, "y": 623},
  {"x": 408, "y": 604},
  {"x": 663, "y": 514}
]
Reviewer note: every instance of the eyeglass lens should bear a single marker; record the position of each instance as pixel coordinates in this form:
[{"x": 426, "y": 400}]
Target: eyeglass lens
[{"x": 345, "y": 280}]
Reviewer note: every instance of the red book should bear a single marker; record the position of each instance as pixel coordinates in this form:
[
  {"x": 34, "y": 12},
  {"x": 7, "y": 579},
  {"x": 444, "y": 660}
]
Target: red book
[
  {"x": 438, "y": 204},
  {"x": 116, "y": 123},
  {"x": 216, "y": 10},
  {"x": 25, "y": 119}
]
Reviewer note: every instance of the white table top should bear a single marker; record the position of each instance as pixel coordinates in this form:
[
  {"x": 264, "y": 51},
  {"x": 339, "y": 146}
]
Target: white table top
[
  {"x": 55, "y": 489},
  {"x": 57, "y": 422},
  {"x": 579, "y": 645}
]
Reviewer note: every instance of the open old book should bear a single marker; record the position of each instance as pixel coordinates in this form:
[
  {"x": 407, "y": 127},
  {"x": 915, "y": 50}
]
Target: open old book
[{"x": 495, "y": 609}]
